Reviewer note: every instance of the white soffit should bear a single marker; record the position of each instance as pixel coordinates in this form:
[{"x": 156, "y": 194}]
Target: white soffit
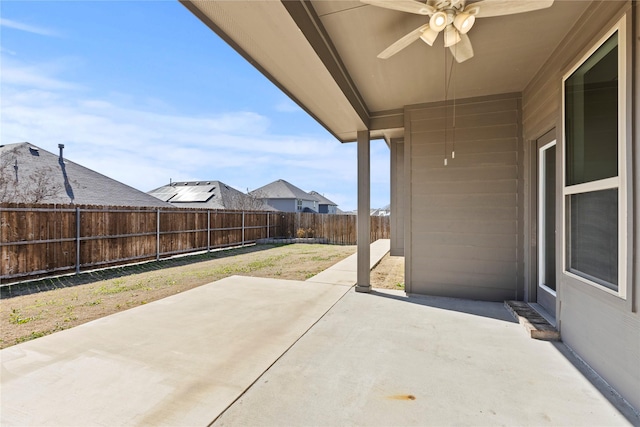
[{"x": 265, "y": 31}]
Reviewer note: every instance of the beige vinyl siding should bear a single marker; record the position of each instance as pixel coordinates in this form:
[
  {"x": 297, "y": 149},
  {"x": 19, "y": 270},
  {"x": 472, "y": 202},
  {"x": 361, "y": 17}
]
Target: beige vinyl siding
[
  {"x": 603, "y": 329},
  {"x": 397, "y": 197},
  {"x": 464, "y": 216}
]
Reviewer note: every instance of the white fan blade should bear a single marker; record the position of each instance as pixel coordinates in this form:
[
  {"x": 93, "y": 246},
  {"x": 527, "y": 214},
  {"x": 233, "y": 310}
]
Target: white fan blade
[
  {"x": 403, "y": 42},
  {"x": 410, "y": 6},
  {"x": 488, "y": 8},
  {"x": 463, "y": 49}
]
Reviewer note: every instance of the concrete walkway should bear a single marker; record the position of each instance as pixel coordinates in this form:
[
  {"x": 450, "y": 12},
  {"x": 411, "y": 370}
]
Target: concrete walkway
[{"x": 250, "y": 351}]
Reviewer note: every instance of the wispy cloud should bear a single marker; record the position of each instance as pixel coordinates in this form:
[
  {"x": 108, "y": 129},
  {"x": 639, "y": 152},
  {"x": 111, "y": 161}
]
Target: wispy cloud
[
  {"x": 34, "y": 29},
  {"x": 33, "y": 76},
  {"x": 145, "y": 148}
]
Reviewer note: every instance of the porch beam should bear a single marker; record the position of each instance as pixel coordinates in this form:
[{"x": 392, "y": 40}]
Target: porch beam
[
  {"x": 306, "y": 18},
  {"x": 364, "y": 212},
  {"x": 390, "y": 119}
]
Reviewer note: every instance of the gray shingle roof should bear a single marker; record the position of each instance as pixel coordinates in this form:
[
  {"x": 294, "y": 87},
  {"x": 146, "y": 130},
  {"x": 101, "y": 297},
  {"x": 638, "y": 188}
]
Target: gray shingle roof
[
  {"x": 321, "y": 199},
  {"x": 281, "y": 189},
  {"x": 206, "y": 194},
  {"x": 68, "y": 182}
]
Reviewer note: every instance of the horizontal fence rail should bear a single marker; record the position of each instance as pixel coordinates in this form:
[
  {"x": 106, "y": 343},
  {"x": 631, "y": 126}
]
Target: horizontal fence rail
[{"x": 41, "y": 240}]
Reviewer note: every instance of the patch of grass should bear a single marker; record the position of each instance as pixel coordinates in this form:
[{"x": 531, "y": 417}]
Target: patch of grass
[
  {"x": 323, "y": 258},
  {"x": 91, "y": 303},
  {"x": 39, "y": 304},
  {"x": 264, "y": 263},
  {"x": 31, "y": 336},
  {"x": 37, "y": 334},
  {"x": 69, "y": 315},
  {"x": 114, "y": 287},
  {"x": 120, "y": 285},
  {"x": 17, "y": 319},
  {"x": 400, "y": 285},
  {"x": 229, "y": 269}
]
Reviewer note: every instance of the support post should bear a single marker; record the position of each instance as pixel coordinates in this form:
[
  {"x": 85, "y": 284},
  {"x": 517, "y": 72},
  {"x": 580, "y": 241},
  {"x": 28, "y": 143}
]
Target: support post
[
  {"x": 267, "y": 225},
  {"x": 77, "y": 240},
  {"x": 158, "y": 235},
  {"x": 364, "y": 214}
]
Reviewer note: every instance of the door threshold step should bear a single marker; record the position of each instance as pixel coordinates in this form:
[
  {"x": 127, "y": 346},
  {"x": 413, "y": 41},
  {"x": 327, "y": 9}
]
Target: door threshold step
[{"x": 537, "y": 326}]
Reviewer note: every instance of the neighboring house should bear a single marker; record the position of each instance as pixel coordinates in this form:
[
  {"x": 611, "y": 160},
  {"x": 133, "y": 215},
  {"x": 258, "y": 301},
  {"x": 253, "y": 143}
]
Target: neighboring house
[
  {"x": 324, "y": 205},
  {"x": 29, "y": 174},
  {"x": 207, "y": 195},
  {"x": 520, "y": 182},
  {"x": 383, "y": 211},
  {"x": 286, "y": 197}
]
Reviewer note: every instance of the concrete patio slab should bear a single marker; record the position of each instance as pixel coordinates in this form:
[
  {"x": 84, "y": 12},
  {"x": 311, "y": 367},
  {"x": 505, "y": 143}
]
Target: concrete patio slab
[
  {"x": 385, "y": 359},
  {"x": 178, "y": 361}
]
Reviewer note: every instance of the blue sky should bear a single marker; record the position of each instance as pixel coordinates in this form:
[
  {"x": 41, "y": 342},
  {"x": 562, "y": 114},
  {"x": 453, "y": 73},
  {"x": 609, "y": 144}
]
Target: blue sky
[{"x": 143, "y": 92}]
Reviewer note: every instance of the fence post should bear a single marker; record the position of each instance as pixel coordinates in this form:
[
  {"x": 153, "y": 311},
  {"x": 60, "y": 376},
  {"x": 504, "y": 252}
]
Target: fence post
[
  {"x": 158, "y": 235},
  {"x": 296, "y": 224},
  {"x": 267, "y": 225},
  {"x": 208, "y": 230},
  {"x": 77, "y": 240},
  {"x": 243, "y": 229}
]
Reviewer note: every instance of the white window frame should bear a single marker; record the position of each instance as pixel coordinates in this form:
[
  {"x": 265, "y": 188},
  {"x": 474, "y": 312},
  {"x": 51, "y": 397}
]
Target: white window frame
[{"x": 619, "y": 182}]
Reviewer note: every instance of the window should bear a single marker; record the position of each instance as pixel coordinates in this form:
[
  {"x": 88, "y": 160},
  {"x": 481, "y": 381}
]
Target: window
[
  {"x": 299, "y": 205},
  {"x": 594, "y": 118}
]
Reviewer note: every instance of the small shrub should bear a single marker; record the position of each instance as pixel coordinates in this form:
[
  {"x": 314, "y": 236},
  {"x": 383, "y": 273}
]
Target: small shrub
[{"x": 305, "y": 232}]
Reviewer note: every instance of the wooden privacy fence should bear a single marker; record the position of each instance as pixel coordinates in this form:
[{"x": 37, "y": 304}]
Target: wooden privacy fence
[{"x": 40, "y": 240}]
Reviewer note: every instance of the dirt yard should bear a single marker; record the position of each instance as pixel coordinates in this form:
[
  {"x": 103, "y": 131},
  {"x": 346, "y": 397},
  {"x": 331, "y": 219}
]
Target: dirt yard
[
  {"x": 51, "y": 305},
  {"x": 389, "y": 273}
]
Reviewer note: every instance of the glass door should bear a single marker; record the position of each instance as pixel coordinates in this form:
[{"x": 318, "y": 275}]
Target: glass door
[{"x": 546, "y": 287}]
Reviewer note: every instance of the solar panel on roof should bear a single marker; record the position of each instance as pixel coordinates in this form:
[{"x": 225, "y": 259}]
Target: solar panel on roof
[
  {"x": 201, "y": 193},
  {"x": 164, "y": 194},
  {"x": 192, "y": 197}
]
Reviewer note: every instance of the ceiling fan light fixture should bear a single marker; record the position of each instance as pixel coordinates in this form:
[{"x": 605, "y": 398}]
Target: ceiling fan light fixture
[
  {"x": 438, "y": 21},
  {"x": 463, "y": 22},
  {"x": 429, "y": 36},
  {"x": 451, "y": 36}
]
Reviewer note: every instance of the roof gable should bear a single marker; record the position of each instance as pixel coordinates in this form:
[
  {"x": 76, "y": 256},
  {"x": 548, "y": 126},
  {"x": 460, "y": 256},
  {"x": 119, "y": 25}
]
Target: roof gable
[
  {"x": 321, "y": 199},
  {"x": 281, "y": 189},
  {"x": 39, "y": 176}
]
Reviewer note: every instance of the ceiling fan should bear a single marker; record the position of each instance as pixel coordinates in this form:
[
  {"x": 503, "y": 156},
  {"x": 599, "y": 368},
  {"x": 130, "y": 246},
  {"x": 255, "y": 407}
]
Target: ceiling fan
[{"x": 454, "y": 17}]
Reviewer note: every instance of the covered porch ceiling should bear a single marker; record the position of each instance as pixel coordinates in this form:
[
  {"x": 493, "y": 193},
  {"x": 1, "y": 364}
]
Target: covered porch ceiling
[{"x": 323, "y": 54}]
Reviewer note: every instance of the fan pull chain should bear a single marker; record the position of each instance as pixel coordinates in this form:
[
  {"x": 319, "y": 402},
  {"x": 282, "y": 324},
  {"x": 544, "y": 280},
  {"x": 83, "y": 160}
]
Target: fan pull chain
[
  {"x": 453, "y": 145},
  {"x": 446, "y": 91}
]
